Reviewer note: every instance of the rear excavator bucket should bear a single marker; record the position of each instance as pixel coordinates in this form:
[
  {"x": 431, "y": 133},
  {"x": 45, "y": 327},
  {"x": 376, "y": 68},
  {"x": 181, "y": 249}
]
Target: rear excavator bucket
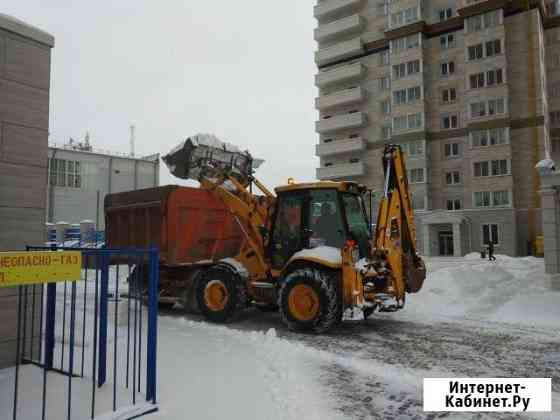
[{"x": 205, "y": 156}]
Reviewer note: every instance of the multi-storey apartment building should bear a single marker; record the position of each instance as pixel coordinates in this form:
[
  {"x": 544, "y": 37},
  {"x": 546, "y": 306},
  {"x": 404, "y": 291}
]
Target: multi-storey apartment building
[{"x": 470, "y": 90}]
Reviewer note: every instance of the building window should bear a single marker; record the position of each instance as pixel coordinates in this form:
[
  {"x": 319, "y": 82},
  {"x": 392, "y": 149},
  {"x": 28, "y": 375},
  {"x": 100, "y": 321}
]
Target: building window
[
  {"x": 447, "y": 41},
  {"x": 555, "y": 118},
  {"x": 491, "y": 107},
  {"x": 413, "y": 67},
  {"x": 403, "y": 69},
  {"x": 408, "y": 121},
  {"x": 415, "y": 148},
  {"x": 386, "y": 107},
  {"x": 482, "y": 199},
  {"x": 415, "y": 120},
  {"x": 454, "y": 204},
  {"x": 65, "y": 173},
  {"x": 414, "y": 93},
  {"x": 404, "y": 17},
  {"x": 447, "y": 68},
  {"x": 386, "y": 132},
  {"x": 408, "y": 42},
  {"x": 492, "y": 198},
  {"x": 491, "y": 168},
  {"x": 500, "y": 167},
  {"x": 453, "y": 178},
  {"x": 445, "y": 14},
  {"x": 490, "y": 78},
  {"x": 384, "y": 83},
  {"x": 400, "y": 123},
  {"x": 399, "y": 97},
  {"x": 492, "y": 137},
  {"x": 555, "y": 90},
  {"x": 481, "y": 169},
  {"x": 413, "y": 41},
  {"x": 494, "y": 77},
  {"x": 486, "y": 20},
  {"x": 451, "y": 150},
  {"x": 383, "y": 8},
  {"x": 496, "y": 106},
  {"x": 416, "y": 176},
  {"x": 478, "y": 109},
  {"x": 418, "y": 202},
  {"x": 490, "y": 232},
  {"x": 450, "y": 121},
  {"x": 476, "y": 80},
  {"x": 399, "y": 71},
  {"x": 448, "y": 95},
  {"x": 384, "y": 58},
  {"x": 500, "y": 198},
  {"x": 475, "y": 52},
  {"x": 493, "y": 47}
]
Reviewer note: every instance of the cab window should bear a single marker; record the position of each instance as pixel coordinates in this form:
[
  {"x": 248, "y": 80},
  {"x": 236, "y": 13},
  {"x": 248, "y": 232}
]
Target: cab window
[
  {"x": 325, "y": 219},
  {"x": 356, "y": 219}
]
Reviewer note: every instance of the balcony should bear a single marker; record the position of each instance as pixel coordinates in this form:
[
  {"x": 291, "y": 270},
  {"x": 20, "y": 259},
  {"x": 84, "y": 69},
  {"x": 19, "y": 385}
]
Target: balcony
[
  {"x": 345, "y": 170},
  {"x": 326, "y": 9},
  {"x": 345, "y": 73},
  {"x": 345, "y": 26},
  {"x": 339, "y": 51},
  {"x": 341, "y": 122},
  {"x": 344, "y": 97},
  {"x": 336, "y": 147}
]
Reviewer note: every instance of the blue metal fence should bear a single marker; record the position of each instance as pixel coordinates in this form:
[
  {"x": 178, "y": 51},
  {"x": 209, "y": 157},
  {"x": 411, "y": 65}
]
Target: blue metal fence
[{"x": 50, "y": 342}]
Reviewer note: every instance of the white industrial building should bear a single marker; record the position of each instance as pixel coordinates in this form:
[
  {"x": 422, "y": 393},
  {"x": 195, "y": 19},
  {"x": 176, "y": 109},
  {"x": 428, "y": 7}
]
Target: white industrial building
[{"x": 79, "y": 178}]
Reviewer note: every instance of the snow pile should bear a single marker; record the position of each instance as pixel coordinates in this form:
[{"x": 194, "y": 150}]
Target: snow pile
[
  {"x": 214, "y": 372},
  {"x": 511, "y": 290}
]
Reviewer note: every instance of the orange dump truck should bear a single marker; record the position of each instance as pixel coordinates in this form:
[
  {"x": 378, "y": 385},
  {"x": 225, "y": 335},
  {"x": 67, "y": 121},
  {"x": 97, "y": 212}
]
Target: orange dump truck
[{"x": 190, "y": 226}]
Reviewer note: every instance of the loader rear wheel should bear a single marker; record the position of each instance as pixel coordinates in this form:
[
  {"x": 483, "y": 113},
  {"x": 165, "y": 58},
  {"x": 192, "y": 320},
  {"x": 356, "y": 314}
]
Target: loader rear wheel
[
  {"x": 219, "y": 295},
  {"x": 309, "y": 300}
]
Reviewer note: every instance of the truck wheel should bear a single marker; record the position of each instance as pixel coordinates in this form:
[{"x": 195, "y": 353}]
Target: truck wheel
[
  {"x": 219, "y": 295},
  {"x": 309, "y": 301}
]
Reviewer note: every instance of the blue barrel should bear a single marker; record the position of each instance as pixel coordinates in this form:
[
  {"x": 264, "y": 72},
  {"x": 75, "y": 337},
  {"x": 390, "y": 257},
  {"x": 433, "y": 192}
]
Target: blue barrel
[
  {"x": 72, "y": 233},
  {"x": 51, "y": 232}
]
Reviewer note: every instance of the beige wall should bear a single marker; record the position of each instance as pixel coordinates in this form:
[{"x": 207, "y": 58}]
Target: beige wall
[{"x": 24, "y": 120}]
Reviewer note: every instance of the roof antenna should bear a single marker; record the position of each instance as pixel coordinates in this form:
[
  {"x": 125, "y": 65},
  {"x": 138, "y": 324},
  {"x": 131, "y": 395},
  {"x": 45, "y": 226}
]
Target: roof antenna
[{"x": 132, "y": 140}]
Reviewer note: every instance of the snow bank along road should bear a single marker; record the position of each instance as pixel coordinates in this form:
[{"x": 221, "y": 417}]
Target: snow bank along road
[{"x": 472, "y": 319}]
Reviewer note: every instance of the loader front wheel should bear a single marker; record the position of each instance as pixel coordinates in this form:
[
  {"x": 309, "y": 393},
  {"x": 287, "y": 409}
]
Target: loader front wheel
[
  {"x": 218, "y": 295},
  {"x": 309, "y": 300}
]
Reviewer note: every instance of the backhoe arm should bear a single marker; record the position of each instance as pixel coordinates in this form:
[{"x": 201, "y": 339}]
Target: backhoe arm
[{"x": 395, "y": 234}]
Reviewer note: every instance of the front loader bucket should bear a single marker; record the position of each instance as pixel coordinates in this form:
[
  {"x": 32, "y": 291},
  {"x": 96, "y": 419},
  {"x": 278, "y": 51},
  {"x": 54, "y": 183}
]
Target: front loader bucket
[
  {"x": 204, "y": 155},
  {"x": 415, "y": 274}
]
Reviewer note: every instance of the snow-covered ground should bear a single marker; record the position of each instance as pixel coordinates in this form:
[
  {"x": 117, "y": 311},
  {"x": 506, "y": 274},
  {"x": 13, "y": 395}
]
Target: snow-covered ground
[{"x": 473, "y": 318}]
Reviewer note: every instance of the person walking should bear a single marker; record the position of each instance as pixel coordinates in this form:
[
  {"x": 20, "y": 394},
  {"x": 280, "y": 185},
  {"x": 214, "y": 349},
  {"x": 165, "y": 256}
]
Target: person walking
[{"x": 491, "y": 251}]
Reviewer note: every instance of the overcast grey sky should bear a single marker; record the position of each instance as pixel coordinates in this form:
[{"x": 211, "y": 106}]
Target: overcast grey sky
[{"x": 242, "y": 70}]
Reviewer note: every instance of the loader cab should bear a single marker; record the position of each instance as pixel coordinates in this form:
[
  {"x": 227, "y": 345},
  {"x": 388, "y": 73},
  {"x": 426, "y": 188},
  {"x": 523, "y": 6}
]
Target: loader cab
[{"x": 313, "y": 215}]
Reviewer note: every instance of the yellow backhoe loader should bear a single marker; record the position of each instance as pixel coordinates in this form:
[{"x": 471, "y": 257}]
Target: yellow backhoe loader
[{"x": 307, "y": 251}]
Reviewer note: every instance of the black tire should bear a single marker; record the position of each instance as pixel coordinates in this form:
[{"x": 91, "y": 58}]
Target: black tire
[
  {"x": 369, "y": 311},
  {"x": 324, "y": 285},
  {"x": 236, "y": 294}
]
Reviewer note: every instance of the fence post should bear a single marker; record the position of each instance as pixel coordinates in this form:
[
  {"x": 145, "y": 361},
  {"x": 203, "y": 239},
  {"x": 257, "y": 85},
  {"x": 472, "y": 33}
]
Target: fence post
[
  {"x": 151, "y": 373},
  {"x": 103, "y": 324},
  {"x": 50, "y": 318}
]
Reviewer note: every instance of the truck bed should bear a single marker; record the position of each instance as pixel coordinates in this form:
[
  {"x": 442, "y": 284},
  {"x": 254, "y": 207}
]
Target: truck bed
[{"x": 189, "y": 225}]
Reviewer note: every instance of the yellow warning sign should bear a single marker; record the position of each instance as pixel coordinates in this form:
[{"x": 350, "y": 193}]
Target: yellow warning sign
[{"x": 19, "y": 268}]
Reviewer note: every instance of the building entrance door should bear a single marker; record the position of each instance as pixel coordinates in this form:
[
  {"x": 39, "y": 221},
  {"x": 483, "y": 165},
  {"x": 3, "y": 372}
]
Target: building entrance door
[{"x": 446, "y": 244}]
